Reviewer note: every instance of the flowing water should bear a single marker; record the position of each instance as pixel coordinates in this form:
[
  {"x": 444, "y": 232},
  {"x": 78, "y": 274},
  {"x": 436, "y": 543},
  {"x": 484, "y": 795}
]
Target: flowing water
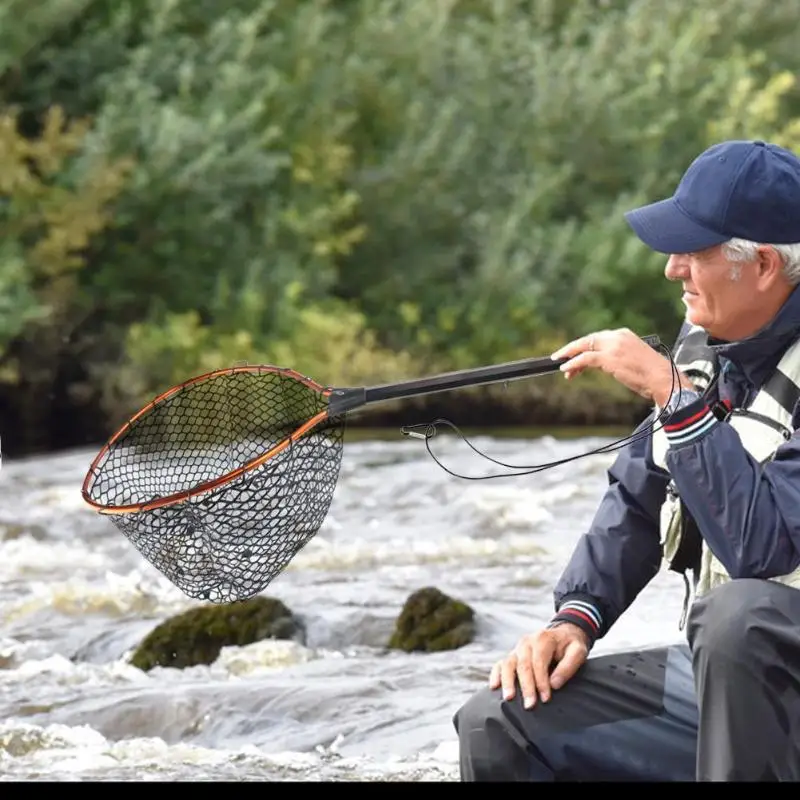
[{"x": 75, "y": 598}]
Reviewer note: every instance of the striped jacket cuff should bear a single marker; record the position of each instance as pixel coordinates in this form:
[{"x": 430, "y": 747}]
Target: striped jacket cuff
[
  {"x": 690, "y": 423},
  {"x": 582, "y": 613}
]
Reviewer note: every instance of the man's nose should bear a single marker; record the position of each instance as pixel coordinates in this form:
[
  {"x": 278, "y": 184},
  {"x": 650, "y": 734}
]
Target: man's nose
[{"x": 677, "y": 267}]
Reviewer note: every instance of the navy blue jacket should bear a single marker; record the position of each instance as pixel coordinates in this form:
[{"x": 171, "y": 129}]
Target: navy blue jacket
[{"x": 748, "y": 515}]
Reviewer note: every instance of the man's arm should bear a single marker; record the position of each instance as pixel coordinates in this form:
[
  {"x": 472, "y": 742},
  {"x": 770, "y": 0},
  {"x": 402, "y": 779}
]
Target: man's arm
[
  {"x": 748, "y": 514},
  {"x": 621, "y": 552}
]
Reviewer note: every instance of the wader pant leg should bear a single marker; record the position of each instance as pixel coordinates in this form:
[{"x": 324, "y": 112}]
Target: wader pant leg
[
  {"x": 622, "y": 717},
  {"x": 745, "y": 639}
]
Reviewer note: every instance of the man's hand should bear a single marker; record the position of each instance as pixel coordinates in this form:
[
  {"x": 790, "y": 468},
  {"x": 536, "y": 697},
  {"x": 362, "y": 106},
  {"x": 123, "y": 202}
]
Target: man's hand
[
  {"x": 627, "y": 358},
  {"x": 566, "y": 646}
]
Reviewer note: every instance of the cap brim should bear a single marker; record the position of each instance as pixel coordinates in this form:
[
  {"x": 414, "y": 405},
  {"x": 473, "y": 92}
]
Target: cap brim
[{"x": 665, "y": 228}]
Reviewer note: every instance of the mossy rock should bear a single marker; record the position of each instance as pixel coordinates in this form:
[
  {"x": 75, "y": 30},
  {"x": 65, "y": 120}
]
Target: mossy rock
[
  {"x": 431, "y": 621},
  {"x": 197, "y": 636}
]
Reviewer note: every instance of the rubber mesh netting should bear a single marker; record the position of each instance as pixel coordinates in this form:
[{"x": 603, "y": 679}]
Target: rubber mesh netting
[{"x": 228, "y": 542}]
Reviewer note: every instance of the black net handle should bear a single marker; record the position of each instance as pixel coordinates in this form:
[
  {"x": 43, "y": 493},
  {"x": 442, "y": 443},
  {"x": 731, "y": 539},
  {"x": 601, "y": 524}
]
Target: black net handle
[{"x": 344, "y": 400}]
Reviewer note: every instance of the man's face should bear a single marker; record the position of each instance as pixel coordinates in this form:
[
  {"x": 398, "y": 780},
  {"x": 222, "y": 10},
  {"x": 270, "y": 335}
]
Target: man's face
[{"x": 719, "y": 295}]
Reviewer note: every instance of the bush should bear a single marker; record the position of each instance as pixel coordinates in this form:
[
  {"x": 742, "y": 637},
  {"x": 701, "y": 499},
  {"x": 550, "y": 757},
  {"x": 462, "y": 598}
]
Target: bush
[{"x": 443, "y": 183}]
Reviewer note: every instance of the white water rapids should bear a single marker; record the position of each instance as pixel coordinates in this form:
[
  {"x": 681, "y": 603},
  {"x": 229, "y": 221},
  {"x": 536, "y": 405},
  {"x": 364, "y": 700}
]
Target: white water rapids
[{"x": 75, "y": 598}]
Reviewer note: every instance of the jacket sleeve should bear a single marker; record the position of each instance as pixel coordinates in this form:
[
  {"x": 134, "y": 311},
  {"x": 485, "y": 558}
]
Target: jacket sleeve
[
  {"x": 621, "y": 552},
  {"x": 748, "y": 514}
]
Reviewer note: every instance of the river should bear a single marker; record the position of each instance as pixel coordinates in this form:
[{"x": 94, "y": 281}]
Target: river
[{"x": 75, "y": 598}]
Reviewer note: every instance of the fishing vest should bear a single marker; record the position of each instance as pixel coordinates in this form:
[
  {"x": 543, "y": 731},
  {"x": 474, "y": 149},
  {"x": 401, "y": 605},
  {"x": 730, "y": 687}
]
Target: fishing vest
[{"x": 763, "y": 426}]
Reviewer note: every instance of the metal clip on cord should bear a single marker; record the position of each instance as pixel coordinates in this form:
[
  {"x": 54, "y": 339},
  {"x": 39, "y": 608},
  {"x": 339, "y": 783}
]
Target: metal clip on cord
[{"x": 430, "y": 431}]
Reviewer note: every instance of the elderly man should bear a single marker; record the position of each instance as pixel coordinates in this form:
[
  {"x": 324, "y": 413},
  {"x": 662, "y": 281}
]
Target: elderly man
[{"x": 711, "y": 491}]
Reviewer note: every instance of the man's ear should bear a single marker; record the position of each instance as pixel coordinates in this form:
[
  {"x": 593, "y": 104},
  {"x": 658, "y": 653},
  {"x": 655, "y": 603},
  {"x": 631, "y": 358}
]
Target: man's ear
[{"x": 770, "y": 264}]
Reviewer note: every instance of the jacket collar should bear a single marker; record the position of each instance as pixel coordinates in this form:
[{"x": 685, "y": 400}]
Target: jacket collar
[{"x": 757, "y": 356}]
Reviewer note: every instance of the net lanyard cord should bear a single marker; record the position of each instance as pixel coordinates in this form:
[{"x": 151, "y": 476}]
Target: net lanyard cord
[{"x": 529, "y": 469}]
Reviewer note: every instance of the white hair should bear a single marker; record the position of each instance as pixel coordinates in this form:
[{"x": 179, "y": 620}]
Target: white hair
[{"x": 739, "y": 250}]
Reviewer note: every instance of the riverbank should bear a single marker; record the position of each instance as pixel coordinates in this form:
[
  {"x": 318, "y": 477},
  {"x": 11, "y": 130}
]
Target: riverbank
[{"x": 546, "y": 405}]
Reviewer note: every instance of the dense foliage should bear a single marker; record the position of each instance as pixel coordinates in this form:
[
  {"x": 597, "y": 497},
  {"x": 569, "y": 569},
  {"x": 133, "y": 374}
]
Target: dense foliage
[{"x": 361, "y": 189}]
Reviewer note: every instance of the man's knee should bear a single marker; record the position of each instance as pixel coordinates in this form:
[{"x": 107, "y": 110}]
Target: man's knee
[
  {"x": 483, "y": 705},
  {"x": 481, "y": 720},
  {"x": 724, "y": 620},
  {"x": 490, "y": 747}
]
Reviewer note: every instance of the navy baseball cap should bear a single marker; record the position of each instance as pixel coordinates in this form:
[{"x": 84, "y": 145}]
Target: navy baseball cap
[{"x": 735, "y": 189}]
